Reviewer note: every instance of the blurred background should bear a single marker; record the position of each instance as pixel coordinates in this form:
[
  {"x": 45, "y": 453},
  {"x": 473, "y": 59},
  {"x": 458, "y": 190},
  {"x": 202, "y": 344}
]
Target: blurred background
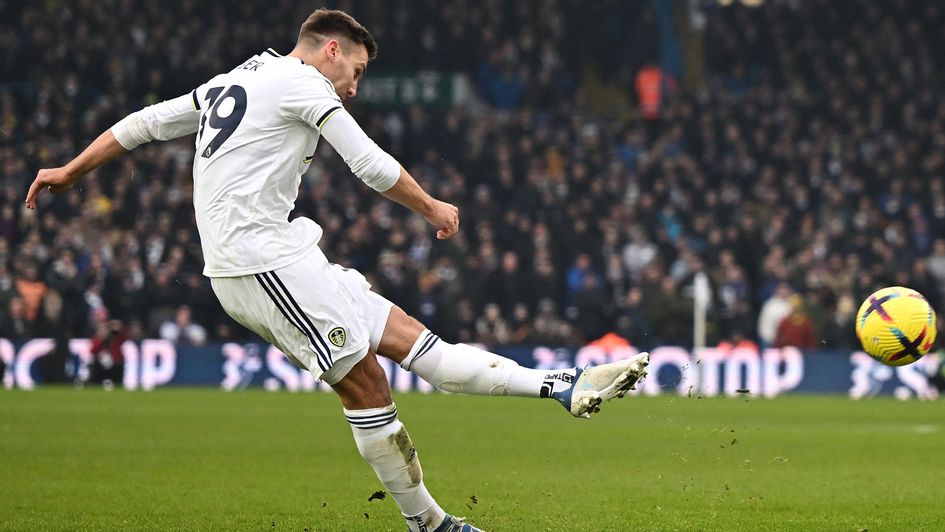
[{"x": 603, "y": 154}]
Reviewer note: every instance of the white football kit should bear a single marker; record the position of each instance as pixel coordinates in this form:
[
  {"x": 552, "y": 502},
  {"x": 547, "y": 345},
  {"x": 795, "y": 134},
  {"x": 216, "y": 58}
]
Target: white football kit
[{"x": 257, "y": 128}]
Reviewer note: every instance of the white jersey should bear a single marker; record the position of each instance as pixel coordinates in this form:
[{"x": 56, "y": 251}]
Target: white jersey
[{"x": 257, "y": 128}]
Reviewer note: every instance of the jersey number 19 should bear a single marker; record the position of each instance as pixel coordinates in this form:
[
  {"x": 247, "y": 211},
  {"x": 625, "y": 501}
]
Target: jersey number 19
[{"x": 226, "y": 124}]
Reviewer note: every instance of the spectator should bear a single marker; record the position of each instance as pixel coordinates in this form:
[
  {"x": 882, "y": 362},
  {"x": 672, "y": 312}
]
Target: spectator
[
  {"x": 521, "y": 325},
  {"x": 593, "y": 309},
  {"x": 491, "y": 329},
  {"x": 7, "y": 292},
  {"x": 463, "y": 324},
  {"x": 774, "y": 310},
  {"x": 734, "y": 302},
  {"x": 632, "y": 321},
  {"x": 15, "y": 326},
  {"x": 429, "y": 310},
  {"x": 797, "y": 328},
  {"x": 670, "y": 313},
  {"x": 31, "y": 290},
  {"x": 549, "y": 329},
  {"x": 9, "y": 227},
  {"x": 545, "y": 281},
  {"x": 507, "y": 286},
  {"x": 936, "y": 266},
  {"x": 638, "y": 253},
  {"x": 838, "y": 331},
  {"x": 817, "y": 306},
  {"x": 578, "y": 273},
  {"x": 108, "y": 362},
  {"x": 182, "y": 330},
  {"x": 64, "y": 277}
]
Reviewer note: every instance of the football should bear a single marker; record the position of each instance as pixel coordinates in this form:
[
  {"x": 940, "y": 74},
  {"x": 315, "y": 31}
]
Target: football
[{"x": 896, "y": 325}]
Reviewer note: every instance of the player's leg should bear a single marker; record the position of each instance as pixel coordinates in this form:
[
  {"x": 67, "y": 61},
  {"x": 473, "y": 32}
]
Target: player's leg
[
  {"x": 467, "y": 369},
  {"x": 326, "y": 335},
  {"x": 459, "y": 367},
  {"x": 384, "y": 443}
]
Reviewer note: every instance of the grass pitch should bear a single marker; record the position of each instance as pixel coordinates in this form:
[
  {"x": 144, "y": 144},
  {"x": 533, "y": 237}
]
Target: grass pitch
[{"x": 186, "y": 459}]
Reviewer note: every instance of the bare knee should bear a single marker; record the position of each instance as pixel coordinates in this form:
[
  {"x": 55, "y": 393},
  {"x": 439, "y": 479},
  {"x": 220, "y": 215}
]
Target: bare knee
[
  {"x": 365, "y": 386},
  {"x": 400, "y": 334}
]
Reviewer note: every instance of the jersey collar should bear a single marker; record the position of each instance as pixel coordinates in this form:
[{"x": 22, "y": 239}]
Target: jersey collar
[{"x": 274, "y": 53}]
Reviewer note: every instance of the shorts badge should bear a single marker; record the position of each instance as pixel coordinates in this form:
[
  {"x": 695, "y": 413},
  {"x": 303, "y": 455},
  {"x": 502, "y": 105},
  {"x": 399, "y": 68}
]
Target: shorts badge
[{"x": 337, "y": 337}]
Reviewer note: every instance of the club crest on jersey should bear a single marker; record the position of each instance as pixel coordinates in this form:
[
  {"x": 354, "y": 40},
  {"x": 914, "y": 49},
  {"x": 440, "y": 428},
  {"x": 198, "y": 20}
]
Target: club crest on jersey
[{"x": 337, "y": 337}]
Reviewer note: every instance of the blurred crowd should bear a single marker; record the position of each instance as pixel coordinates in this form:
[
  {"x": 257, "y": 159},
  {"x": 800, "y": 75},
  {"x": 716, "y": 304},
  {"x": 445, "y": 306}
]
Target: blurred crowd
[{"x": 805, "y": 174}]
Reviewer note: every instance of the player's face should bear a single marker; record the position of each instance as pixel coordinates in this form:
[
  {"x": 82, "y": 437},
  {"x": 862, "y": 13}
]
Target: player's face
[{"x": 349, "y": 69}]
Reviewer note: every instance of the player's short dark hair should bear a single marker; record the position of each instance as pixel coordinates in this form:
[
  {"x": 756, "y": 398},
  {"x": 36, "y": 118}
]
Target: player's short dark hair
[{"x": 324, "y": 23}]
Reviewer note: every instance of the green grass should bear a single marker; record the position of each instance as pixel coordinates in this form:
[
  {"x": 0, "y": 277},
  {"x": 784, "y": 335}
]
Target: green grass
[{"x": 209, "y": 460}]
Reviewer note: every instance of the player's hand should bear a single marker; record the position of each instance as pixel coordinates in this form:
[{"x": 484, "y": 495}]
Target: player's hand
[
  {"x": 54, "y": 179},
  {"x": 445, "y": 217}
]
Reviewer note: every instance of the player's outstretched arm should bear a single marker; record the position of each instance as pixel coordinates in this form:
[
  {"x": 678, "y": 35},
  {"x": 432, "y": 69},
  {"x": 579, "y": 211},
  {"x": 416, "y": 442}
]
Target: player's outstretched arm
[
  {"x": 162, "y": 121},
  {"x": 102, "y": 150},
  {"x": 382, "y": 172}
]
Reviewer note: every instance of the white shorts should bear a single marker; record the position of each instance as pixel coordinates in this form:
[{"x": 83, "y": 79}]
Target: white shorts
[{"x": 325, "y": 318}]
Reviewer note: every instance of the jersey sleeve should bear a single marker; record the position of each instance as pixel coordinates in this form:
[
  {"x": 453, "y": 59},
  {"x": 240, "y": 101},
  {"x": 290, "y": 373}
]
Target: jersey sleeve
[
  {"x": 364, "y": 157},
  {"x": 315, "y": 102},
  {"x": 167, "y": 120}
]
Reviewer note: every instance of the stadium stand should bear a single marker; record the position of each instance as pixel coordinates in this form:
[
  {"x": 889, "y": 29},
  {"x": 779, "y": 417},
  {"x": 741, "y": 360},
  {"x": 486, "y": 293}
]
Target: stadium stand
[{"x": 811, "y": 160}]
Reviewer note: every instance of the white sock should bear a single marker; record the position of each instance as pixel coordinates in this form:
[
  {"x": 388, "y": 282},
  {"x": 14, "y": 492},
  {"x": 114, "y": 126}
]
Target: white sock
[
  {"x": 463, "y": 368},
  {"x": 384, "y": 443}
]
